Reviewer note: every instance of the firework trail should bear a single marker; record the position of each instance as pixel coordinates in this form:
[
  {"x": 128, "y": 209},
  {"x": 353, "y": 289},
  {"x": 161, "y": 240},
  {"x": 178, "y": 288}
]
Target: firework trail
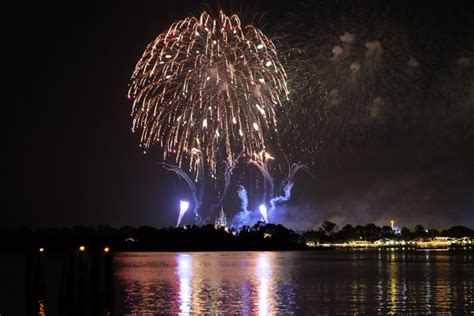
[
  {"x": 197, "y": 191},
  {"x": 229, "y": 168},
  {"x": 282, "y": 198},
  {"x": 243, "y": 198},
  {"x": 261, "y": 161},
  {"x": 244, "y": 217},
  {"x": 287, "y": 184},
  {"x": 294, "y": 168},
  {"x": 211, "y": 83}
]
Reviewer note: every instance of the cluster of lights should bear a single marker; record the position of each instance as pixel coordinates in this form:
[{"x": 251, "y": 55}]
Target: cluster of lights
[
  {"x": 437, "y": 242},
  {"x": 81, "y": 248}
]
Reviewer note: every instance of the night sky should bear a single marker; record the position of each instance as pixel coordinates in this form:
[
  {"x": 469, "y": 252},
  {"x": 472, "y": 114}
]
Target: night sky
[{"x": 72, "y": 159}]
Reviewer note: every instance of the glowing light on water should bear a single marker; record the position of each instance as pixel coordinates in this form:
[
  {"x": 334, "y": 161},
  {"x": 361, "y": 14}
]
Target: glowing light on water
[
  {"x": 184, "y": 272},
  {"x": 264, "y": 274}
]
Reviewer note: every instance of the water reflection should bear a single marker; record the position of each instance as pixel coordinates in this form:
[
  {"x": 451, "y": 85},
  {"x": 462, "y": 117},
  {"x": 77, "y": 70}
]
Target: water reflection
[
  {"x": 385, "y": 282},
  {"x": 41, "y": 308},
  {"x": 393, "y": 280},
  {"x": 263, "y": 274},
  {"x": 208, "y": 290},
  {"x": 184, "y": 272}
]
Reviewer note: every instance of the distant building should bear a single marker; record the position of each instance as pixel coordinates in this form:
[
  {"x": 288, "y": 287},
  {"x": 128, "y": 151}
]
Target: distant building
[
  {"x": 221, "y": 220},
  {"x": 397, "y": 230},
  {"x": 383, "y": 242},
  {"x": 359, "y": 244},
  {"x": 437, "y": 242}
]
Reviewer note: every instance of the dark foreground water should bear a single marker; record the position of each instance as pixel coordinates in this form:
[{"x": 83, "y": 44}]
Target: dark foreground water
[{"x": 320, "y": 282}]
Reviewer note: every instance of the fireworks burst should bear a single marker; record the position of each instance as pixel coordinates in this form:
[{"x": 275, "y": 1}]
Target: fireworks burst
[
  {"x": 343, "y": 63},
  {"x": 210, "y": 84}
]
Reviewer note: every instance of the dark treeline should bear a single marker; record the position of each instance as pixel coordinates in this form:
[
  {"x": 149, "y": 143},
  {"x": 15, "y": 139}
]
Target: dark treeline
[
  {"x": 204, "y": 238},
  {"x": 191, "y": 238},
  {"x": 329, "y": 232}
]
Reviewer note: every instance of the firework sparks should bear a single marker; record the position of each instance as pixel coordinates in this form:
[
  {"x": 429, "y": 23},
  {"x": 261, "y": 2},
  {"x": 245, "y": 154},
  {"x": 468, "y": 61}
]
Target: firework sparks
[
  {"x": 208, "y": 83},
  {"x": 261, "y": 161}
]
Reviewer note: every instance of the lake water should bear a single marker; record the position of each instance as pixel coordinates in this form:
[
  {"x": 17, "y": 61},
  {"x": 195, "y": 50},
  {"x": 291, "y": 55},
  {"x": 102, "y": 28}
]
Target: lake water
[{"x": 319, "y": 282}]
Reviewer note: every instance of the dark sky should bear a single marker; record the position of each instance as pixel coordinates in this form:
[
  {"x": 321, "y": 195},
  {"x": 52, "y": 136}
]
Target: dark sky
[{"x": 72, "y": 160}]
